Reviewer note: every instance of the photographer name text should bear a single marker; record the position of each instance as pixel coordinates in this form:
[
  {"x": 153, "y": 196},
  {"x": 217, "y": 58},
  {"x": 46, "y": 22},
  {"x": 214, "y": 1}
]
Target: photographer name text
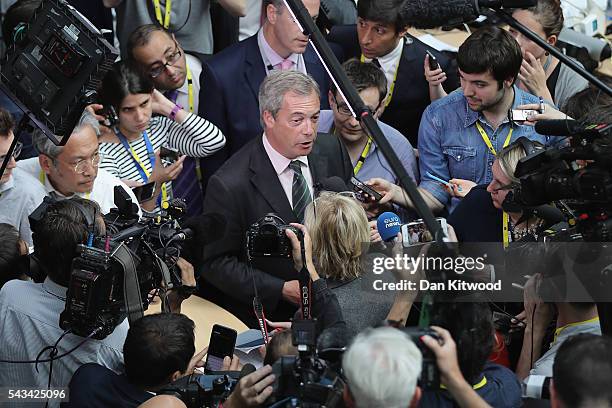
[{"x": 449, "y": 285}]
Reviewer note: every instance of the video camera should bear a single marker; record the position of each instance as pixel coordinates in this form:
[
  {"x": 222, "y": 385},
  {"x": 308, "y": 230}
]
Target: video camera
[
  {"x": 551, "y": 175},
  {"x": 198, "y": 391},
  {"x": 113, "y": 275}
]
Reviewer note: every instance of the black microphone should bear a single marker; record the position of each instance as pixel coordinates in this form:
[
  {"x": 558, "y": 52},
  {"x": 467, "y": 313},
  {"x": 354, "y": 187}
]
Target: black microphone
[
  {"x": 569, "y": 127},
  {"x": 422, "y": 14},
  {"x": 334, "y": 183},
  {"x": 247, "y": 369}
]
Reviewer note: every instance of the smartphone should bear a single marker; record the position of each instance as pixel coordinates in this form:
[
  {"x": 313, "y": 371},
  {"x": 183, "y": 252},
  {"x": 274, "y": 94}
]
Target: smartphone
[
  {"x": 145, "y": 192},
  {"x": 361, "y": 189},
  {"x": 448, "y": 184},
  {"x": 416, "y": 232},
  {"x": 433, "y": 61},
  {"x": 222, "y": 343},
  {"x": 169, "y": 154}
]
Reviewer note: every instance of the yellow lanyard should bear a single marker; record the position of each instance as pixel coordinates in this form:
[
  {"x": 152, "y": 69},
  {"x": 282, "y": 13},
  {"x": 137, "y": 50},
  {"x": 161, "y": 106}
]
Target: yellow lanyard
[
  {"x": 477, "y": 386},
  {"x": 560, "y": 329},
  {"x": 158, "y": 16},
  {"x": 41, "y": 177},
  {"x": 147, "y": 173},
  {"x": 392, "y": 88},
  {"x": 487, "y": 141},
  {"x": 363, "y": 156},
  {"x": 189, "y": 88}
]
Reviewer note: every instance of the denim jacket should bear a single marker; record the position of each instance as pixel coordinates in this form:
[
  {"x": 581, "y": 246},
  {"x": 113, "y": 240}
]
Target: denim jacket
[{"x": 450, "y": 145}]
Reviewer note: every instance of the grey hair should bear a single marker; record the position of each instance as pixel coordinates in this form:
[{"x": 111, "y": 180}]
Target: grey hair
[
  {"x": 45, "y": 146},
  {"x": 382, "y": 366},
  {"x": 276, "y": 85}
]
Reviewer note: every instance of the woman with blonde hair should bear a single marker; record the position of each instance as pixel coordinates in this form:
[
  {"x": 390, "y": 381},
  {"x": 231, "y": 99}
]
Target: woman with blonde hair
[{"x": 340, "y": 236}]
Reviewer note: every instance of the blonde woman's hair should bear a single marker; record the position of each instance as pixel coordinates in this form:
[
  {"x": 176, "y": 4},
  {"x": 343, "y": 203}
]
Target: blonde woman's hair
[
  {"x": 340, "y": 233},
  {"x": 509, "y": 157}
]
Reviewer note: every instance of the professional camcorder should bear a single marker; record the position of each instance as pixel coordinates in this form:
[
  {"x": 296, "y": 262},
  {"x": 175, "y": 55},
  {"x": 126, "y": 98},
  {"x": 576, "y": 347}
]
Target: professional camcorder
[
  {"x": 199, "y": 391},
  {"x": 114, "y": 275},
  {"x": 267, "y": 238}
]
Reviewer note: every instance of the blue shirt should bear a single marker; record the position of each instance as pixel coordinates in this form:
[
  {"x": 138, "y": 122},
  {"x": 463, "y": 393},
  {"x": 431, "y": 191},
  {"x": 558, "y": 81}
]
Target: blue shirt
[
  {"x": 375, "y": 164},
  {"x": 450, "y": 145},
  {"x": 501, "y": 390}
]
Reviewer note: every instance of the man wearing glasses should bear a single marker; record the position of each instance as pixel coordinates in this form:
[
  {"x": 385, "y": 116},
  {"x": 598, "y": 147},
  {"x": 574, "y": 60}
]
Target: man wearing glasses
[
  {"x": 177, "y": 74},
  {"x": 367, "y": 160},
  {"x": 20, "y": 194},
  {"x": 72, "y": 169}
]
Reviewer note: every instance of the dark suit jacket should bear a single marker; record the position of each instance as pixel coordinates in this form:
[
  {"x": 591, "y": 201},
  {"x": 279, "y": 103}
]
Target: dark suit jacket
[
  {"x": 245, "y": 189},
  {"x": 230, "y": 84},
  {"x": 411, "y": 94}
]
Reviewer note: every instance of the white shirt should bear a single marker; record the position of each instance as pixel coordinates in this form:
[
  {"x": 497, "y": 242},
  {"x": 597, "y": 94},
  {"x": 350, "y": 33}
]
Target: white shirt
[
  {"x": 195, "y": 66},
  {"x": 389, "y": 63},
  {"x": 30, "y": 314},
  {"x": 102, "y": 191},
  {"x": 284, "y": 173},
  {"x": 271, "y": 58}
]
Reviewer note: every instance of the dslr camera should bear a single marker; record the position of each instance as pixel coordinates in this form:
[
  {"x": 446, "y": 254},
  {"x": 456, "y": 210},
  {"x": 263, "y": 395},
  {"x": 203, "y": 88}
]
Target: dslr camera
[
  {"x": 266, "y": 238},
  {"x": 430, "y": 375}
]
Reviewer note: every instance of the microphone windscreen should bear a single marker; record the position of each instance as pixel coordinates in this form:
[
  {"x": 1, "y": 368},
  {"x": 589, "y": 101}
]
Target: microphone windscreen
[
  {"x": 335, "y": 184},
  {"x": 388, "y": 225},
  {"x": 557, "y": 127},
  {"x": 247, "y": 369}
]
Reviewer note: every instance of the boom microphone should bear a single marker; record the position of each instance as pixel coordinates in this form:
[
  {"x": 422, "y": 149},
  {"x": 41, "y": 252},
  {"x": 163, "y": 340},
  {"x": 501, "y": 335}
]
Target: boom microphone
[{"x": 423, "y": 14}]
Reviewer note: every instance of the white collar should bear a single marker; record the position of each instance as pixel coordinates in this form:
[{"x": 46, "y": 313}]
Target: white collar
[
  {"x": 279, "y": 162},
  {"x": 390, "y": 60},
  {"x": 8, "y": 185}
]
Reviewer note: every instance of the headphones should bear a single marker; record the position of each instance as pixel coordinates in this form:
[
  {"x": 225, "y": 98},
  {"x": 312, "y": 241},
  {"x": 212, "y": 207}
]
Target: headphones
[{"x": 529, "y": 147}]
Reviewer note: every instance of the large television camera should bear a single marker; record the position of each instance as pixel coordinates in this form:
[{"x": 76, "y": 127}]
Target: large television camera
[
  {"x": 115, "y": 275},
  {"x": 552, "y": 175}
]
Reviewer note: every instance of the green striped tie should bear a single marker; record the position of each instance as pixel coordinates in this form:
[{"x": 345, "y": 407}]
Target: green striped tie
[{"x": 299, "y": 191}]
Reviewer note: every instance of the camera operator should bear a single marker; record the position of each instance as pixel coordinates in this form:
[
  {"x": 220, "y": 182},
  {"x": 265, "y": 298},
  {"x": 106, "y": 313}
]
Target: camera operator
[
  {"x": 72, "y": 169},
  {"x": 33, "y": 310},
  {"x": 582, "y": 373},
  {"x": 471, "y": 325},
  {"x": 158, "y": 350}
]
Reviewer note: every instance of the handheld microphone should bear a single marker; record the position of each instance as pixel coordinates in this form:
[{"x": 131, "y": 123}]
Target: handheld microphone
[
  {"x": 421, "y": 13},
  {"x": 570, "y": 127},
  {"x": 334, "y": 183},
  {"x": 388, "y": 225}
]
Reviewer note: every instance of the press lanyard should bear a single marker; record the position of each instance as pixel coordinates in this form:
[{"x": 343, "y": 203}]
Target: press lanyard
[
  {"x": 560, "y": 329},
  {"x": 363, "y": 156},
  {"x": 42, "y": 175},
  {"x": 189, "y": 88},
  {"x": 158, "y": 16},
  {"x": 142, "y": 170},
  {"x": 477, "y": 386},
  {"x": 485, "y": 137},
  {"x": 392, "y": 88}
]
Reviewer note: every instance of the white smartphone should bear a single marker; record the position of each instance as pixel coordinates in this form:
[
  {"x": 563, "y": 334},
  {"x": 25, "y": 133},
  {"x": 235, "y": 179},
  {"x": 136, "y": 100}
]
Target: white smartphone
[{"x": 416, "y": 232}]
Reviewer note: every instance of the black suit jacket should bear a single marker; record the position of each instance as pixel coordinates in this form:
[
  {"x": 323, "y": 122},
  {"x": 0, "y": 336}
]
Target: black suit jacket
[
  {"x": 245, "y": 189},
  {"x": 411, "y": 94},
  {"x": 229, "y": 90}
]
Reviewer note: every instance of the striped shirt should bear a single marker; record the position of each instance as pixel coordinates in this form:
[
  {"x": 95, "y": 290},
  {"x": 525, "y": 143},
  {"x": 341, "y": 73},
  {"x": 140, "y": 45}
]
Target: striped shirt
[{"x": 195, "y": 137}]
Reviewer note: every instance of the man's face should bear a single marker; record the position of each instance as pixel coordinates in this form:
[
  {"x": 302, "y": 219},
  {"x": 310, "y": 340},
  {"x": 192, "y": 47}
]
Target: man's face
[
  {"x": 73, "y": 170},
  {"x": 5, "y": 144},
  {"x": 161, "y": 49},
  {"x": 288, "y": 36},
  {"x": 345, "y": 123},
  {"x": 135, "y": 113},
  {"x": 294, "y": 129},
  {"x": 481, "y": 90},
  {"x": 498, "y": 187},
  {"x": 377, "y": 39}
]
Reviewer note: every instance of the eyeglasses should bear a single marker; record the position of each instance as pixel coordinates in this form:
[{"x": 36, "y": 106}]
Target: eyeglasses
[
  {"x": 344, "y": 109},
  {"x": 16, "y": 152},
  {"x": 170, "y": 61},
  {"x": 81, "y": 166}
]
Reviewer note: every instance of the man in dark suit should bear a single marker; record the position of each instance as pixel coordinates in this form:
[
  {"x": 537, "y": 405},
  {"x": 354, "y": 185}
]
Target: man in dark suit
[
  {"x": 381, "y": 36},
  {"x": 231, "y": 79},
  {"x": 274, "y": 173}
]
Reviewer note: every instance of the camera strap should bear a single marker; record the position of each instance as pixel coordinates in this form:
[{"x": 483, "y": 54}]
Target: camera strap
[
  {"x": 305, "y": 284},
  {"x": 258, "y": 308}
]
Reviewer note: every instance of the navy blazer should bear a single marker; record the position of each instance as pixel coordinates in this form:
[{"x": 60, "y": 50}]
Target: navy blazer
[
  {"x": 229, "y": 87},
  {"x": 245, "y": 189},
  {"x": 411, "y": 94}
]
